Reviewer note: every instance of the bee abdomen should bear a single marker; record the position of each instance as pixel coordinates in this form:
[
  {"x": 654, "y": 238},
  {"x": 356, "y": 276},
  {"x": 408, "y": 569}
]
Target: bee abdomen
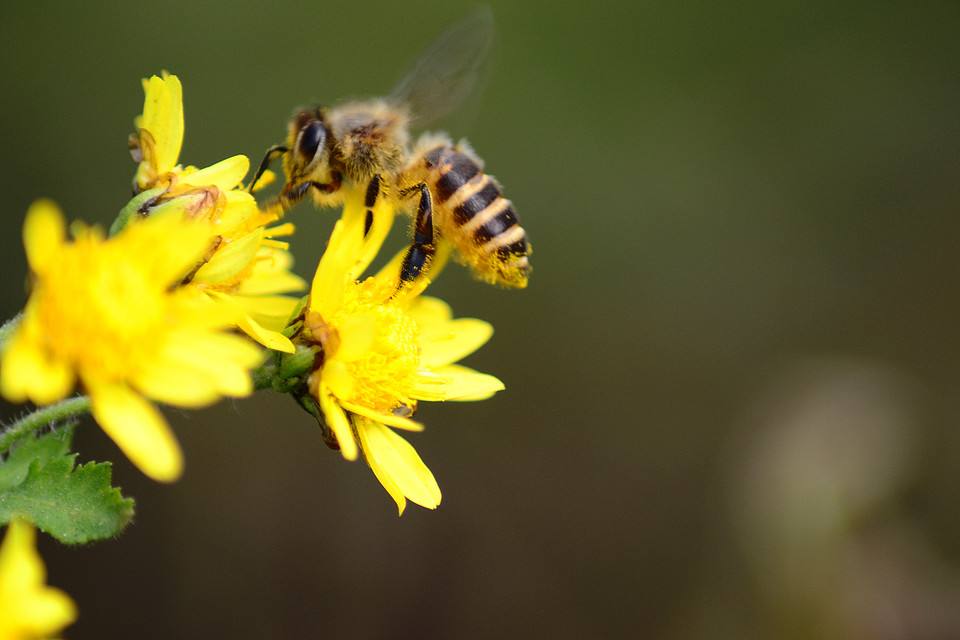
[
  {"x": 456, "y": 170},
  {"x": 474, "y": 198},
  {"x": 484, "y": 219},
  {"x": 492, "y": 222}
]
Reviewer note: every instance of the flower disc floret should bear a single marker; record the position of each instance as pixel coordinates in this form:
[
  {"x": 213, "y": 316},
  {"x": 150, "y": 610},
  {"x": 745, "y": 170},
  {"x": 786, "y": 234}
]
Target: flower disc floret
[{"x": 383, "y": 355}]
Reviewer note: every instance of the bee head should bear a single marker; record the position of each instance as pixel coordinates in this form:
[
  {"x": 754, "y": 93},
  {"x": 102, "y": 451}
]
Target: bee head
[{"x": 309, "y": 136}]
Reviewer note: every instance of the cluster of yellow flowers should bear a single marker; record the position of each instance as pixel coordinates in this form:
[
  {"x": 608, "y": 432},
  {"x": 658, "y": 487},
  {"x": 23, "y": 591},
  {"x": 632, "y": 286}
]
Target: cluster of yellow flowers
[{"x": 181, "y": 303}]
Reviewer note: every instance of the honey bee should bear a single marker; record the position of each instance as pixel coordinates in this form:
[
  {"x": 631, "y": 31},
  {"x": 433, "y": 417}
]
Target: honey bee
[{"x": 364, "y": 146}]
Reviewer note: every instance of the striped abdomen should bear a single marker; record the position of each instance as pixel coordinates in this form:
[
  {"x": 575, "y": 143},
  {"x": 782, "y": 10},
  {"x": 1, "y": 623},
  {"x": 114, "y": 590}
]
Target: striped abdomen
[{"x": 477, "y": 218}]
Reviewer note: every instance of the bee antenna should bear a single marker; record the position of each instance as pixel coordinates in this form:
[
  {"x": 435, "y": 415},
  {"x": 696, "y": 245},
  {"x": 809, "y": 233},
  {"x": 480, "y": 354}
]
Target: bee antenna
[{"x": 273, "y": 152}]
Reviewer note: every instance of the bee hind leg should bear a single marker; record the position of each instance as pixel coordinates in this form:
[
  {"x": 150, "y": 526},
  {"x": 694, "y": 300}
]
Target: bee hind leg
[
  {"x": 369, "y": 201},
  {"x": 421, "y": 252}
]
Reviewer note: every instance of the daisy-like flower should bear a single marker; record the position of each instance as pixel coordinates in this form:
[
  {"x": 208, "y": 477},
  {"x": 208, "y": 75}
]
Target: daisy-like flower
[
  {"x": 382, "y": 351},
  {"x": 248, "y": 269},
  {"x": 28, "y": 608},
  {"x": 109, "y": 314}
]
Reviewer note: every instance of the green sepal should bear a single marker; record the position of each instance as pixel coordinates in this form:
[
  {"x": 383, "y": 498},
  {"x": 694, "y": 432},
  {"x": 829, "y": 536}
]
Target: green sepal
[
  {"x": 296, "y": 318},
  {"x": 75, "y": 504},
  {"x": 286, "y": 372},
  {"x": 295, "y": 367},
  {"x": 140, "y": 201}
]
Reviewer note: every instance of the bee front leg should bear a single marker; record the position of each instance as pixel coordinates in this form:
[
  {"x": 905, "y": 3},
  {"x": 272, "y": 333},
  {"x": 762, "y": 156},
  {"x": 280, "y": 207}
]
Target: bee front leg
[
  {"x": 273, "y": 152},
  {"x": 292, "y": 194},
  {"x": 422, "y": 250}
]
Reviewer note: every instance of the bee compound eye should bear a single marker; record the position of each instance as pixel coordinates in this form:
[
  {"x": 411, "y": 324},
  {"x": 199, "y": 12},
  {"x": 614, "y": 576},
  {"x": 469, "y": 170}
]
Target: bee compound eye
[{"x": 312, "y": 137}]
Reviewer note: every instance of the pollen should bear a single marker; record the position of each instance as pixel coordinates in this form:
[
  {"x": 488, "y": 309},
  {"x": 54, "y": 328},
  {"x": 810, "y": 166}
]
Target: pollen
[
  {"x": 387, "y": 370},
  {"x": 376, "y": 343}
]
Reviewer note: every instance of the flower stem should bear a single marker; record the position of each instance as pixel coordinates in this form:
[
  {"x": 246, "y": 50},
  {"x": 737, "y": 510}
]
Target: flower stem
[
  {"x": 42, "y": 417},
  {"x": 8, "y": 327},
  {"x": 264, "y": 375},
  {"x": 285, "y": 372}
]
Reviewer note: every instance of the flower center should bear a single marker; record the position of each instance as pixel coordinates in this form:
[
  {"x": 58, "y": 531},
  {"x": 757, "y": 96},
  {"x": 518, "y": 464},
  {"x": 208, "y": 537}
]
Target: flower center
[
  {"x": 385, "y": 373},
  {"x": 371, "y": 349},
  {"x": 99, "y": 309}
]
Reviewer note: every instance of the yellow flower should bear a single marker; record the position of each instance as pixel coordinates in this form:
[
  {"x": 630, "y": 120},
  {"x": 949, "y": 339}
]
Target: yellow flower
[
  {"x": 382, "y": 352},
  {"x": 156, "y": 144},
  {"x": 28, "y": 608},
  {"x": 109, "y": 313},
  {"x": 248, "y": 269},
  {"x": 246, "y": 272}
]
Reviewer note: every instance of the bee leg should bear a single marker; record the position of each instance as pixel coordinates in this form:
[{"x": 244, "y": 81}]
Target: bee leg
[
  {"x": 291, "y": 195},
  {"x": 423, "y": 248},
  {"x": 373, "y": 190},
  {"x": 273, "y": 152}
]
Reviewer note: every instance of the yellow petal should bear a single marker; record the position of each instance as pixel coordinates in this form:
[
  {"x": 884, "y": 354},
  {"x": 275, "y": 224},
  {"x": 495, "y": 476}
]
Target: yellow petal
[
  {"x": 348, "y": 252},
  {"x": 196, "y": 308},
  {"x": 393, "y": 459},
  {"x": 273, "y": 312},
  {"x": 331, "y": 276},
  {"x": 267, "y": 178},
  {"x": 224, "y": 175},
  {"x": 138, "y": 429},
  {"x": 268, "y": 338},
  {"x": 338, "y": 379},
  {"x": 20, "y": 565},
  {"x": 448, "y": 342},
  {"x": 271, "y": 283},
  {"x": 230, "y": 259},
  {"x": 389, "y": 274},
  {"x": 281, "y": 230},
  {"x": 338, "y": 422},
  {"x": 163, "y": 119},
  {"x": 383, "y": 215},
  {"x": 427, "y": 310},
  {"x": 171, "y": 245},
  {"x": 27, "y": 605},
  {"x": 454, "y": 382},
  {"x": 440, "y": 259},
  {"x": 385, "y": 418},
  {"x": 239, "y": 215},
  {"x": 223, "y": 360},
  {"x": 27, "y": 372},
  {"x": 385, "y": 480},
  {"x": 46, "y": 612},
  {"x": 166, "y": 383},
  {"x": 43, "y": 233}
]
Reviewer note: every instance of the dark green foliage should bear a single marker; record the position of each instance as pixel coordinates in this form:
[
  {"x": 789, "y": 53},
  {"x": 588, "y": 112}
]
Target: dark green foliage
[{"x": 74, "y": 504}]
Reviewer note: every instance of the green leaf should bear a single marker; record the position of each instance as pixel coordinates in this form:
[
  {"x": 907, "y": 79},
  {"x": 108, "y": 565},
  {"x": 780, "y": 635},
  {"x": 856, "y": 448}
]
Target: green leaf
[
  {"x": 13, "y": 471},
  {"x": 38, "y": 481}
]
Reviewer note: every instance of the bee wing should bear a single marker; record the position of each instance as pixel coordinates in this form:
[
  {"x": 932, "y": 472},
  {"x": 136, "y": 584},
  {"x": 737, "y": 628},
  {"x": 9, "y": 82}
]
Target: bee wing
[{"x": 448, "y": 70}]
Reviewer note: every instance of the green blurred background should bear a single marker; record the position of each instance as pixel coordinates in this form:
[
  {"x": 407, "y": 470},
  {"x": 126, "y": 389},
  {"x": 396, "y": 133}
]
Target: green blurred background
[{"x": 732, "y": 386}]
